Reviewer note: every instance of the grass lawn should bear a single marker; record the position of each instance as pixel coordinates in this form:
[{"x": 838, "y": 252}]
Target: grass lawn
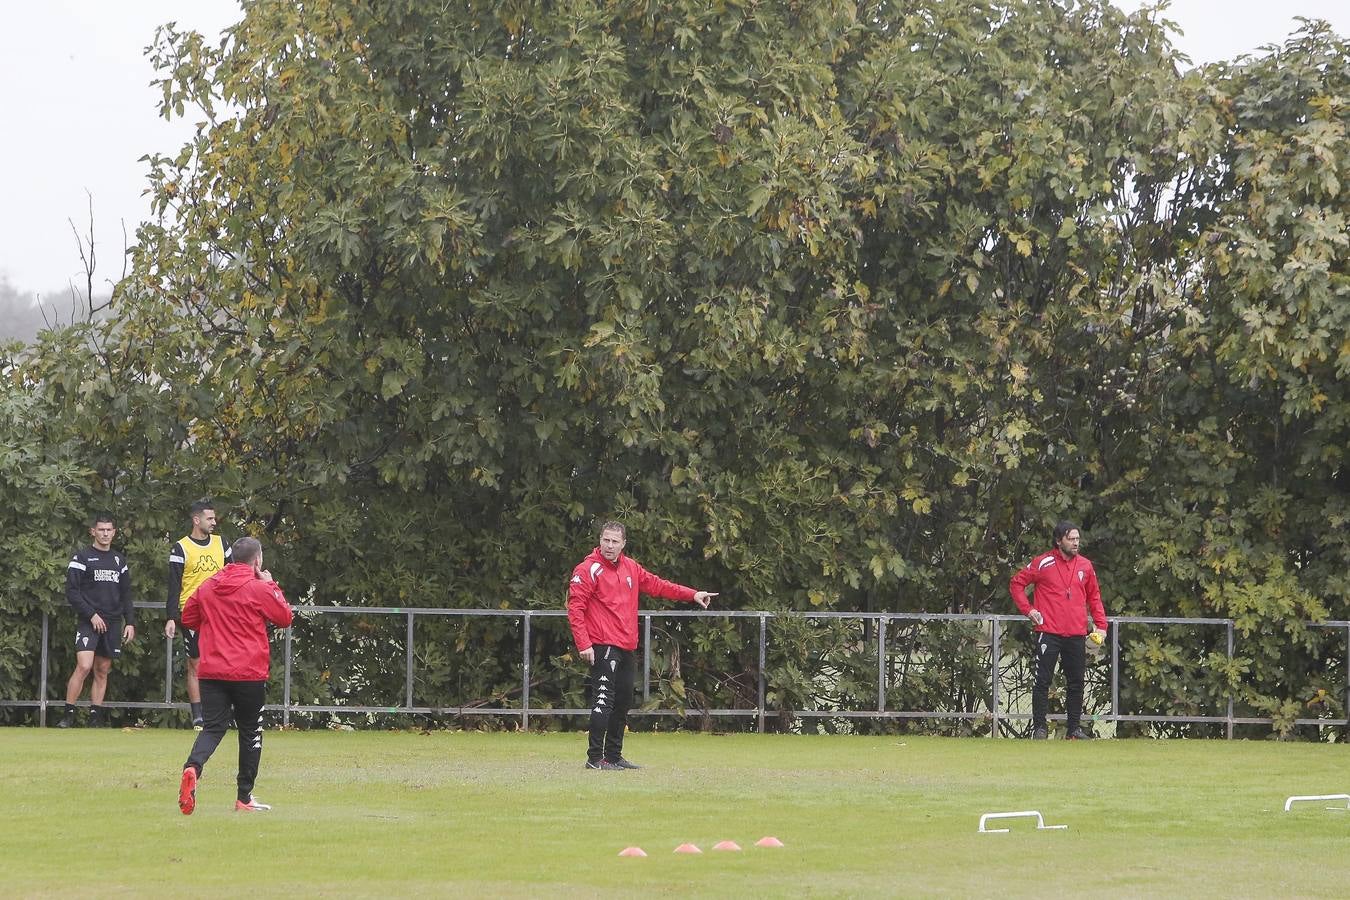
[{"x": 459, "y": 814}]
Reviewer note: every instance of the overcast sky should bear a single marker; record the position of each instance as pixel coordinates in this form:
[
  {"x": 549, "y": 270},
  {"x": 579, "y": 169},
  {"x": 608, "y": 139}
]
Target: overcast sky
[{"x": 79, "y": 112}]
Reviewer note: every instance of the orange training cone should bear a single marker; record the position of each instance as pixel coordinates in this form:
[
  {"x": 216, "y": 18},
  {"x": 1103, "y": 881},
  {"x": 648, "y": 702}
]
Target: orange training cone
[
  {"x": 768, "y": 842},
  {"x": 687, "y": 848},
  {"x": 726, "y": 845},
  {"x": 632, "y": 851}
]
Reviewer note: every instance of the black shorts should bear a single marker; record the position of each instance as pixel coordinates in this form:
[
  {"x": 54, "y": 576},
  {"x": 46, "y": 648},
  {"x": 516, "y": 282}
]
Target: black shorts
[
  {"x": 108, "y": 644},
  {"x": 190, "y": 643}
]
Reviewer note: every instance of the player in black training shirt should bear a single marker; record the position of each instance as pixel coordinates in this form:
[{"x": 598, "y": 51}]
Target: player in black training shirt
[{"x": 98, "y": 587}]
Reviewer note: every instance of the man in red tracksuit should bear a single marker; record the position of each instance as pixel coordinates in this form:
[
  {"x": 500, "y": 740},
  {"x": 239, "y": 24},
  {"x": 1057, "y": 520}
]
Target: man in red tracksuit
[
  {"x": 230, "y": 612},
  {"x": 602, "y": 608},
  {"x": 1065, "y": 590}
]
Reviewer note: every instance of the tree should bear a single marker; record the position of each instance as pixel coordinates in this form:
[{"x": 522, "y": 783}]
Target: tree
[
  {"x": 1250, "y": 524},
  {"x": 838, "y": 305}
]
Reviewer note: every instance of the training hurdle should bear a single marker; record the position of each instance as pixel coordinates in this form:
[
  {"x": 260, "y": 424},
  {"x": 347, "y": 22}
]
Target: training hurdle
[
  {"x": 1040, "y": 821},
  {"x": 1290, "y": 801}
]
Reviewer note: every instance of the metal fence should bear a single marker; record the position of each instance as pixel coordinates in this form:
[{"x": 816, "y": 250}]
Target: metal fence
[{"x": 995, "y": 713}]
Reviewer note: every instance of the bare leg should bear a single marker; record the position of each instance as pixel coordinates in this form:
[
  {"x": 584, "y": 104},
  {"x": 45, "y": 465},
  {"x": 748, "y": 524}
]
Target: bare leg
[
  {"x": 102, "y": 666},
  {"x": 194, "y": 687},
  {"x": 84, "y": 663}
]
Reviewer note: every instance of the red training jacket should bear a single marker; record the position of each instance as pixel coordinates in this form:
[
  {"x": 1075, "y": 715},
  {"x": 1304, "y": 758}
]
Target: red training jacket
[
  {"x": 1065, "y": 590},
  {"x": 230, "y": 611},
  {"x": 602, "y": 600}
]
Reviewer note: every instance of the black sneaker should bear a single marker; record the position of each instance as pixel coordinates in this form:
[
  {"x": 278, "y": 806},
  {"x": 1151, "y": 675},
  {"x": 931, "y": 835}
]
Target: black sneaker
[
  {"x": 97, "y": 721},
  {"x": 622, "y": 763},
  {"x": 1079, "y": 734},
  {"x": 604, "y": 764},
  {"x": 1040, "y": 734},
  {"x": 67, "y": 721}
]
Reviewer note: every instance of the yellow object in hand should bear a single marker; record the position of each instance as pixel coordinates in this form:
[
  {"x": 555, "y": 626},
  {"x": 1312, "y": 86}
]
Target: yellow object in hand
[{"x": 1096, "y": 637}]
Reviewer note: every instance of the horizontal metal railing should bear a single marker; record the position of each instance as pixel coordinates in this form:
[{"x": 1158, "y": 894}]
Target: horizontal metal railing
[{"x": 995, "y": 714}]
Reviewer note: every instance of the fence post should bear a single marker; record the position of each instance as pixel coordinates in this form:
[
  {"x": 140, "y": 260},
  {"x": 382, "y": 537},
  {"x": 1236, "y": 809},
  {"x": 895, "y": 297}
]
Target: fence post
[
  {"x": 1230, "y": 690},
  {"x": 881, "y": 664},
  {"x": 42, "y": 677},
  {"x": 1115, "y": 676},
  {"x": 168, "y": 669},
  {"x": 408, "y": 660},
  {"x": 994, "y": 654},
  {"x": 525, "y": 676},
  {"x": 286, "y": 685},
  {"x": 762, "y": 619},
  {"x": 646, "y": 657}
]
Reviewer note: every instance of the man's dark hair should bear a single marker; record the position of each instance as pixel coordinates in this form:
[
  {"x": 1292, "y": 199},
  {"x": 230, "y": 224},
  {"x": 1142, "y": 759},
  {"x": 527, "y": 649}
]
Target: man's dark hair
[
  {"x": 1063, "y": 527},
  {"x": 100, "y": 517},
  {"x": 245, "y": 550},
  {"x": 612, "y": 525},
  {"x": 200, "y": 506}
]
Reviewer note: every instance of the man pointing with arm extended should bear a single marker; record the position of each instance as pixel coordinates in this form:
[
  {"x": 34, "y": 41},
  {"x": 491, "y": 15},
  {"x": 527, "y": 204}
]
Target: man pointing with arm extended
[{"x": 602, "y": 607}]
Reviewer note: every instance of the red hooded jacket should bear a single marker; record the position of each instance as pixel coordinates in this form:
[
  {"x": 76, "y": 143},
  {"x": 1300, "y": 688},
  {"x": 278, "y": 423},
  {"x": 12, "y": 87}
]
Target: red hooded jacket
[
  {"x": 602, "y": 600},
  {"x": 230, "y": 611},
  {"x": 1065, "y": 590}
]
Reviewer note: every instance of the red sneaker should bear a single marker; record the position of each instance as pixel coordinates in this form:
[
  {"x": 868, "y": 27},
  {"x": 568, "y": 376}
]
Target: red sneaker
[
  {"x": 187, "y": 791},
  {"x": 251, "y": 806}
]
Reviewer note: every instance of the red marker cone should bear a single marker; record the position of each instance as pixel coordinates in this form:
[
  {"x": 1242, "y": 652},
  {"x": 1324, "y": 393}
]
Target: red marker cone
[
  {"x": 768, "y": 842},
  {"x": 632, "y": 851},
  {"x": 726, "y": 845},
  {"x": 687, "y": 848}
]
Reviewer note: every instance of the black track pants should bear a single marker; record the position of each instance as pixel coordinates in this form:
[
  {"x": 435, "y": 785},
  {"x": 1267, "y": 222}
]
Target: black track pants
[
  {"x": 1072, "y": 654},
  {"x": 223, "y": 702},
  {"x": 611, "y": 694}
]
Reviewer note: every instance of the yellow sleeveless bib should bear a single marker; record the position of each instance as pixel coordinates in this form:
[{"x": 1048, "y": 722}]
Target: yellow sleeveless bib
[{"x": 199, "y": 563}]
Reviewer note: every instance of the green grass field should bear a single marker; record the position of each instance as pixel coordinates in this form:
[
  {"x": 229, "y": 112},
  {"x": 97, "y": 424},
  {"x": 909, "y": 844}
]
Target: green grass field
[{"x": 458, "y": 814}]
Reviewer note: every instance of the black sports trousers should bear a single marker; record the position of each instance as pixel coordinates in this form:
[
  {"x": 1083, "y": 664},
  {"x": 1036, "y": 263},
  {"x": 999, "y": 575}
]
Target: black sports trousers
[
  {"x": 1071, "y": 652},
  {"x": 223, "y": 702},
  {"x": 611, "y": 694}
]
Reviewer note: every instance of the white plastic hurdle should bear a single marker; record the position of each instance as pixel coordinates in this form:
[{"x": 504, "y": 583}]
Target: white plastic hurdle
[
  {"x": 1315, "y": 797},
  {"x": 1040, "y": 821}
]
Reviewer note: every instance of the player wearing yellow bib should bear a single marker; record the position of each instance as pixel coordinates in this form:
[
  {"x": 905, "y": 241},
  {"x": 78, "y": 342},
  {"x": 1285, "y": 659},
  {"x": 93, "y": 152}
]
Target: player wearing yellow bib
[{"x": 192, "y": 560}]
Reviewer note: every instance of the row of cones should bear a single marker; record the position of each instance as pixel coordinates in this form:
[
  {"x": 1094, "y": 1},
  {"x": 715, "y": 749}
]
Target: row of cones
[{"x": 692, "y": 848}]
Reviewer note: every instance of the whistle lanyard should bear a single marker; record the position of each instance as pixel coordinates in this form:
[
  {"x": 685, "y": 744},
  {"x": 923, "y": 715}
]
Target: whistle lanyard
[{"x": 1068, "y": 584}]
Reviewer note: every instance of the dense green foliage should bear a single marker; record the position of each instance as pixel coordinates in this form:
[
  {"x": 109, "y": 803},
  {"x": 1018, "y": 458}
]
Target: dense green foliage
[{"x": 838, "y": 305}]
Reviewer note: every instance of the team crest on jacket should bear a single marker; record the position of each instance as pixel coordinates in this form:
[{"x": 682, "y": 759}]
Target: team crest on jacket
[
  {"x": 629, "y": 579},
  {"x": 576, "y": 579},
  {"x": 1081, "y": 574}
]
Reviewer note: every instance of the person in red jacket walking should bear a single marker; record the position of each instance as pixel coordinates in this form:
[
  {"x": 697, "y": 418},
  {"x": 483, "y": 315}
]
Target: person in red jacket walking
[
  {"x": 602, "y": 608},
  {"x": 1065, "y": 590},
  {"x": 230, "y": 612}
]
